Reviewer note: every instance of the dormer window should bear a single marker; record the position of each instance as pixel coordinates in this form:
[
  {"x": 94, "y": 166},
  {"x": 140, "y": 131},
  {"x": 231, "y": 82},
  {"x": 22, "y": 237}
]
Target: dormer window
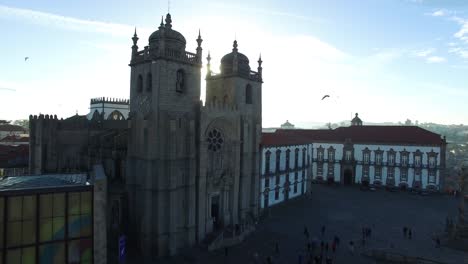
[
  {"x": 432, "y": 162},
  {"x": 378, "y": 158},
  {"x": 348, "y": 155},
  {"x": 331, "y": 154},
  {"x": 366, "y": 157},
  {"x": 391, "y": 159},
  {"x": 320, "y": 155},
  {"x": 404, "y": 160},
  {"x": 417, "y": 161}
]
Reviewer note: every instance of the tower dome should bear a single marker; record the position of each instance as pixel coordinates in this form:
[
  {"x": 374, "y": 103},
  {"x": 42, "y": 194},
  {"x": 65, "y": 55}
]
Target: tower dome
[
  {"x": 172, "y": 38},
  {"x": 356, "y": 121},
  {"x": 234, "y": 60}
]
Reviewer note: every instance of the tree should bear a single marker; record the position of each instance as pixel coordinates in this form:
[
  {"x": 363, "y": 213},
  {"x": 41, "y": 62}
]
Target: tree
[
  {"x": 22, "y": 122},
  {"x": 408, "y": 122},
  {"x": 4, "y": 122}
]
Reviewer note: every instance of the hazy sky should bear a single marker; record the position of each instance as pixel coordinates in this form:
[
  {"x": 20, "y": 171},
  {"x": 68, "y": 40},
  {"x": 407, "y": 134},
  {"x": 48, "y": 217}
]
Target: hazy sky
[{"x": 388, "y": 60}]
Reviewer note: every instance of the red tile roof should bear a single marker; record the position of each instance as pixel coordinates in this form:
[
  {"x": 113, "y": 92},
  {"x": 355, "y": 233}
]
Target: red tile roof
[{"x": 407, "y": 135}]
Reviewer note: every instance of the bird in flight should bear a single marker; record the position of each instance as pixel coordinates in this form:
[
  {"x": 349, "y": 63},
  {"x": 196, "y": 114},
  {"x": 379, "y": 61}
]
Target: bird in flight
[
  {"x": 325, "y": 96},
  {"x": 26, "y": 58}
]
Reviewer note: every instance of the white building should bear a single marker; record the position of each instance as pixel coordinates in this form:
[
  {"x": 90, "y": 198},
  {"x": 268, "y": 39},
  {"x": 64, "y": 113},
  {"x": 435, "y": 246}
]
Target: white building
[
  {"x": 109, "y": 108},
  {"x": 392, "y": 156}
]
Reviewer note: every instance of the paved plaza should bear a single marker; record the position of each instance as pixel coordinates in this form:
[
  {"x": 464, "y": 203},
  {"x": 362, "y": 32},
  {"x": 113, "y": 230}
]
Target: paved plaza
[{"x": 345, "y": 211}]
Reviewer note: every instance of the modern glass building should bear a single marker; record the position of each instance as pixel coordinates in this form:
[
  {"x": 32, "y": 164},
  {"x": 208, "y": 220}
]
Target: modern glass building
[{"x": 46, "y": 219}]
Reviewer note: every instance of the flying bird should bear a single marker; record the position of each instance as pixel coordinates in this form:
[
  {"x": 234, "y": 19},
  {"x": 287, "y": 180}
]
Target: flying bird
[
  {"x": 26, "y": 58},
  {"x": 325, "y": 96}
]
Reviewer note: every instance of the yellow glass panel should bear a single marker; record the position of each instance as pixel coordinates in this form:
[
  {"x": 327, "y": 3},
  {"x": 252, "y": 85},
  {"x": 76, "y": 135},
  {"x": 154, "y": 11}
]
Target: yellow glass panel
[
  {"x": 13, "y": 256},
  {"x": 73, "y": 203},
  {"x": 45, "y": 229},
  {"x": 29, "y": 207},
  {"x": 45, "y": 205},
  {"x": 59, "y": 204},
  {"x": 29, "y": 255},
  {"x": 15, "y": 208},
  {"x": 29, "y": 232},
  {"x": 59, "y": 228},
  {"x": 13, "y": 233},
  {"x": 86, "y": 202}
]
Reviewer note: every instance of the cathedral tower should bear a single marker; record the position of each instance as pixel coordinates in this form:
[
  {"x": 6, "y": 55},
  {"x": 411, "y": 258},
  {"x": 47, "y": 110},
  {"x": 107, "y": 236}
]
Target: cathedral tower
[
  {"x": 162, "y": 160},
  {"x": 230, "y": 134}
]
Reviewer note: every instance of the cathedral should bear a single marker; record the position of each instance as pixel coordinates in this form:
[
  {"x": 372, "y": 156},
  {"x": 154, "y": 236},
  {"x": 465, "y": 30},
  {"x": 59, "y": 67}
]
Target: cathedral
[{"x": 178, "y": 169}]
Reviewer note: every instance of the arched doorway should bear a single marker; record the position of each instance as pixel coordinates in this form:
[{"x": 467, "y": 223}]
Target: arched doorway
[{"x": 348, "y": 177}]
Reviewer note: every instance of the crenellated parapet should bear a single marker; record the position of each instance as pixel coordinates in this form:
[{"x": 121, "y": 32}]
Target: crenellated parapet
[{"x": 110, "y": 100}]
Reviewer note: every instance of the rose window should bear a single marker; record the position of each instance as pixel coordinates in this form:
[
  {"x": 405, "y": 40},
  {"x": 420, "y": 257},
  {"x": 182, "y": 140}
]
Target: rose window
[{"x": 214, "y": 140}]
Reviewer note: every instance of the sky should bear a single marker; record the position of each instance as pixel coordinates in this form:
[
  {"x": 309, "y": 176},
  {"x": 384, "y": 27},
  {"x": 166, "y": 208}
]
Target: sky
[{"x": 387, "y": 60}]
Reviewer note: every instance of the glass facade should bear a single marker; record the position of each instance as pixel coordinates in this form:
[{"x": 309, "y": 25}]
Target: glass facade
[{"x": 46, "y": 227}]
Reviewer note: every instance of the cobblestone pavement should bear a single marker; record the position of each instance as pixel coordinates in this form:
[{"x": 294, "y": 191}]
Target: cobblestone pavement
[{"x": 344, "y": 211}]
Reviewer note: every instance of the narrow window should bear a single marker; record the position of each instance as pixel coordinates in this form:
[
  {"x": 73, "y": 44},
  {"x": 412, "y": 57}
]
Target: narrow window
[
  {"x": 248, "y": 94},
  {"x": 149, "y": 82},
  {"x": 278, "y": 155},
  {"x": 140, "y": 84},
  {"x": 267, "y": 162},
  {"x": 287, "y": 158},
  {"x": 180, "y": 81}
]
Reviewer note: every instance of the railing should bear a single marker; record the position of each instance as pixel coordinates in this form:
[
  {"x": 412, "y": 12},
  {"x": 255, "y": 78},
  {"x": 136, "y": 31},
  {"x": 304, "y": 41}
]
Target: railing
[
  {"x": 255, "y": 76},
  {"x": 168, "y": 53}
]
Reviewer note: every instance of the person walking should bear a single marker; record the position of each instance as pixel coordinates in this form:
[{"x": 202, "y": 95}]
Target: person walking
[
  {"x": 405, "y": 231},
  {"x": 322, "y": 245},
  {"x": 299, "y": 259},
  {"x": 225, "y": 251},
  {"x": 306, "y": 232},
  {"x": 410, "y": 233},
  {"x": 337, "y": 240},
  {"x": 437, "y": 242},
  {"x": 277, "y": 248},
  {"x": 333, "y": 246},
  {"x": 308, "y": 247},
  {"x": 351, "y": 247},
  {"x": 323, "y": 231}
]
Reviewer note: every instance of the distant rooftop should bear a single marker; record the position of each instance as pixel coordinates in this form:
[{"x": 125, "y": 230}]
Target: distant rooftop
[{"x": 44, "y": 181}]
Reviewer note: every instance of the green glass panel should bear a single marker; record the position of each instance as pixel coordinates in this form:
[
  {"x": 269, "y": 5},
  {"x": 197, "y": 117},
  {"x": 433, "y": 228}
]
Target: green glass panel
[
  {"x": 73, "y": 203},
  {"x": 29, "y": 255},
  {"x": 74, "y": 226},
  {"x": 86, "y": 202},
  {"x": 13, "y": 233},
  {"x": 29, "y": 207},
  {"x": 45, "y": 229},
  {"x": 29, "y": 232},
  {"x": 59, "y": 204},
  {"x": 13, "y": 256},
  {"x": 59, "y": 228},
  {"x": 52, "y": 253},
  {"x": 45, "y": 205},
  {"x": 15, "y": 208}
]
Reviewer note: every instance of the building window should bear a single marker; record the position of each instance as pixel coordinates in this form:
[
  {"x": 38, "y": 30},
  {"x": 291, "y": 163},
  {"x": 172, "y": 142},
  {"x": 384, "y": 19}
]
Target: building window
[
  {"x": 417, "y": 161},
  {"x": 21, "y": 227},
  {"x": 404, "y": 159},
  {"x": 149, "y": 82},
  {"x": 378, "y": 158},
  {"x": 378, "y": 173},
  {"x": 278, "y": 159},
  {"x": 295, "y": 187},
  {"x": 116, "y": 115},
  {"x": 320, "y": 155},
  {"x": 320, "y": 170},
  {"x": 79, "y": 214},
  {"x": 365, "y": 172},
  {"x": 180, "y": 81},
  {"x": 432, "y": 176},
  {"x": 248, "y": 94},
  {"x": 348, "y": 155},
  {"x": 288, "y": 152},
  {"x": 303, "y": 174},
  {"x": 366, "y": 157},
  {"x": 139, "y": 83},
  {"x": 277, "y": 193},
  {"x": 331, "y": 171},
  {"x": 296, "y": 158},
  {"x": 331, "y": 154},
  {"x": 432, "y": 162},
  {"x": 296, "y": 176},
  {"x": 267, "y": 182},
  {"x": 303, "y": 158},
  {"x": 404, "y": 175},
  {"x": 391, "y": 159},
  {"x": 267, "y": 162},
  {"x": 390, "y": 173},
  {"x": 215, "y": 140},
  {"x": 52, "y": 217},
  {"x": 277, "y": 180},
  {"x": 417, "y": 174}
]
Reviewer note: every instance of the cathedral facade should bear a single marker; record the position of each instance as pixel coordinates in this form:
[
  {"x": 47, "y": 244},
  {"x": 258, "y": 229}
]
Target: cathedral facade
[{"x": 178, "y": 169}]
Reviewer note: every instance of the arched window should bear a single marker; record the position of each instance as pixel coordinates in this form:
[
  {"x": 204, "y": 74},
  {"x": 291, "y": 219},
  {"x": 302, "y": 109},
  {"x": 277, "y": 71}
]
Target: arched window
[
  {"x": 116, "y": 115},
  {"x": 140, "y": 84},
  {"x": 149, "y": 82},
  {"x": 180, "y": 81},
  {"x": 248, "y": 94}
]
